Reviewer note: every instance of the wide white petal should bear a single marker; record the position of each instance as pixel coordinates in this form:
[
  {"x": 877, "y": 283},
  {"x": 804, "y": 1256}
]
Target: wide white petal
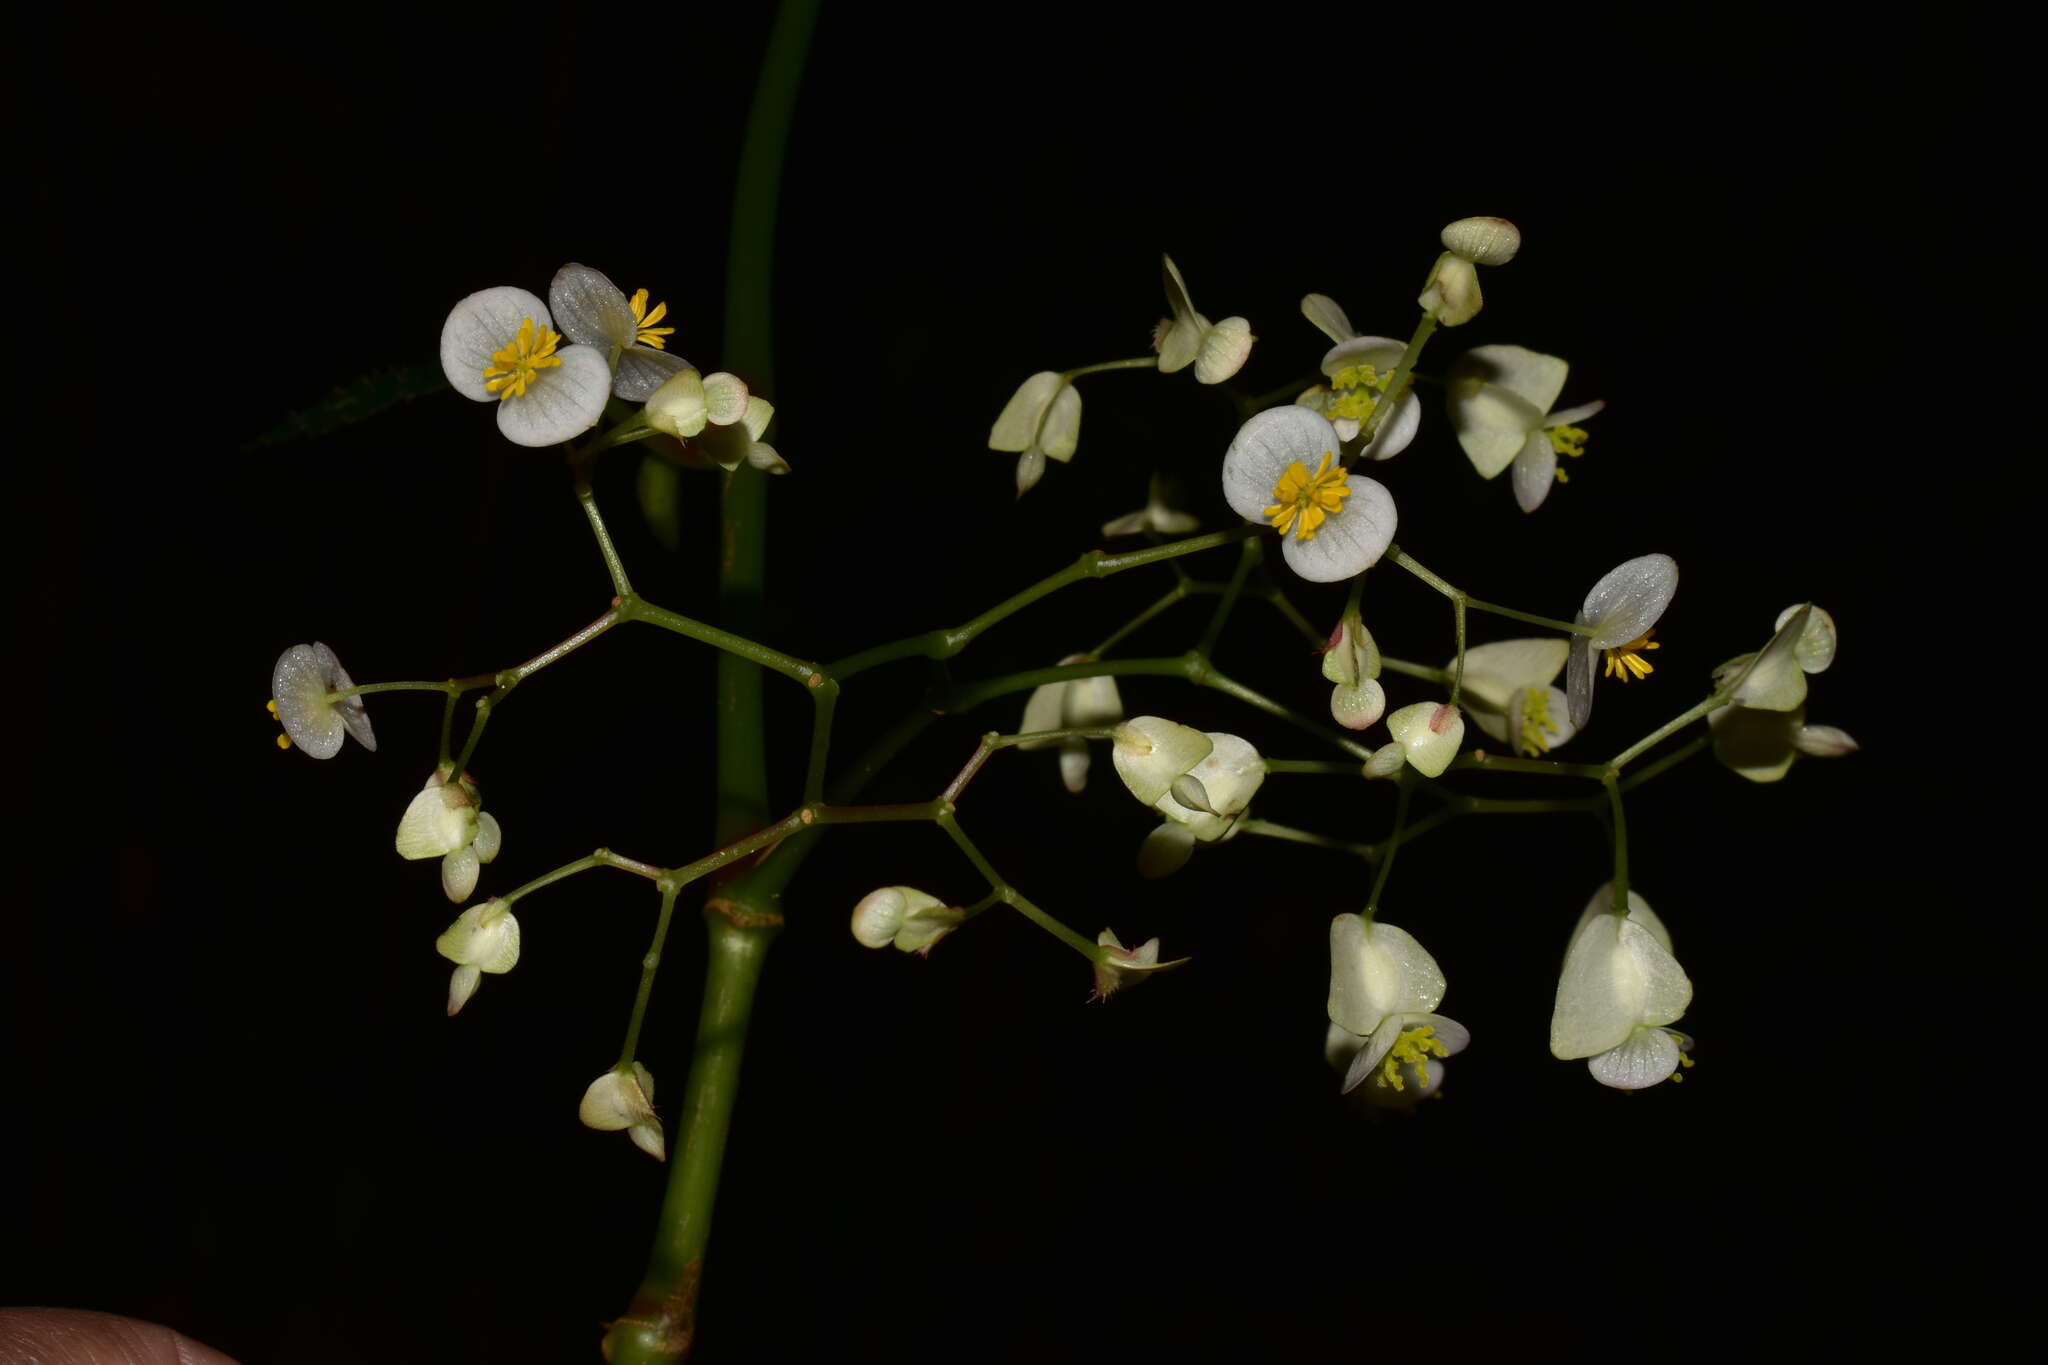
[
  {"x": 1758, "y": 745},
  {"x": 1556, "y": 709},
  {"x": 590, "y": 310},
  {"x": 480, "y": 325},
  {"x": 562, "y": 402},
  {"x": 1774, "y": 681},
  {"x": 1165, "y": 851},
  {"x": 1262, "y": 450},
  {"x": 459, "y": 872},
  {"x": 1016, "y": 428},
  {"x": 1224, "y": 349},
  {"x": 1493, "y": 671},
  {"x": 1535, "y": 378},
  {"x": 1322, "y": 311},
  {"x": 1645, "y": 1057},
  {"x": 1062, "y": 430},
  {"x": 1350, "y": 540},
  {"x": 1597, "y": 996},
  {"x": 299, "y": 684},
  {"x": 1666, "y": 991},
  {"x": 1816, "y": 647},
  {"x": 643, "y": 370},
  {"x": 1397, "y": 432},
  {"x": 1628, "y": 600},
  {"x": 1535, "y": 471},
  {"x": 1492, "y": 424},
  {"x": 1150, "y": 751},
  {"x": 1382, "y": 353},
  {"x": 438, "y": 821},
  {"x": 1430, "y": 733},
  {"x": 1377, "y": 970}
]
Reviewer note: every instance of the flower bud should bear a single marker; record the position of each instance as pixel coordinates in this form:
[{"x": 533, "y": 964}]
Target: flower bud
[
  {"x": 1483, "y": 241},
  {"x": 904, "y": 916},
  {"x": 1429, "y": 734},
  {"x": 625, "y": 1100}
]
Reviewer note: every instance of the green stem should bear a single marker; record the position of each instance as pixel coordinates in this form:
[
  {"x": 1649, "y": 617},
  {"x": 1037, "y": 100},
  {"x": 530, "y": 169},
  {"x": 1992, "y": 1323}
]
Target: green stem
[
  {"x": 1142, "y": 362},
  {"x": 1178, "y": 592},
  {"x": 1416, "y": 342},
  {"x": 1671, "y": 727},
  {"x": 1269, "y": 830},
  {"x": 1664, "y": 764},
  {"x": 649, "y": 965},
  {"x": 1392, "y": 845},
  {"x": 1619, "y": 903},
  {"x": 616, "y": 567},
  {"x": 1248, "y": 559},
  {"x": 741, "y": 653},
  {"x": 1400, "y": 557}
]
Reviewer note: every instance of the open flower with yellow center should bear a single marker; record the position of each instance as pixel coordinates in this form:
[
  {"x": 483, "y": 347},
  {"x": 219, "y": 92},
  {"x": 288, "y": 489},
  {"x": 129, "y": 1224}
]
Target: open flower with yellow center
[
  {"x": 499, "y": 346},
  {"x": 1359, "y": 368},
  {"x": 594, "y": 312},
  {"x": 1620, "y": 987},
  {"x": 1509, "y": 693},
  {"x": 1333, "y": 524},
  {"x": 1384, "y": 989},
  {"x": 1621, "y": 608},
  {"x": 1500, "y": 400}
]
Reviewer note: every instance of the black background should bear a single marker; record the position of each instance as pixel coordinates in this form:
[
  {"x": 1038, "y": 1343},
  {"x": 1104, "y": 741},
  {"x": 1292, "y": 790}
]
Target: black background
[{"x": 241, "y": 1109}]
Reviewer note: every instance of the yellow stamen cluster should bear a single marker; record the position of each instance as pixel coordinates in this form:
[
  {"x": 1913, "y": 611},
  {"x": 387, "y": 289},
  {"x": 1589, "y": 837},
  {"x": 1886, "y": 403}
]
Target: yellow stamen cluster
[
  {"x": 283, "y": 741},
  {"x": 515, "y": 367},
  {"x": 1354, "y": 392},
  {"x": 1566, "y": 441},
  {"x": 1537, "y": 725},
  {"x": 1627, "y": 661},
  {"x": 1415, "y": 1046},
  {"x": 645, "y": 332},
  {"x": 1302, "y": 500}
]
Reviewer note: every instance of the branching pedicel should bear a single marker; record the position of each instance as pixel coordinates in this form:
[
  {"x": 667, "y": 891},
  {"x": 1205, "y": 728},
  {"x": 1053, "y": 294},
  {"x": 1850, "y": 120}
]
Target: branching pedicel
[{"x": 1291, "y": 471}]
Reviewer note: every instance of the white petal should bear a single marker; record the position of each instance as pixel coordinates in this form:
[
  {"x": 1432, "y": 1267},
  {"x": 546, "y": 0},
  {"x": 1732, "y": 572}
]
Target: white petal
[
  {"x": 1774, "y": 680},
  {"x": 1223, "y": 352},
  {"x": 1579, "y": 681},
  {"x": 1535, "y": 471},
  {"x": 489, "y": 836},
  {"x": 1492, "y": 424},
  {"x": 1386, "y": 761},
  {"x": 1322, "y": 311},
  {"x": 1397, "y": 432},
  {"x": 438, "y": 821},
  {"x": 590, "y": 309},
  {"x": 1092, "y": 701},
  {"x": 1494, "y": 671},
  {"x": 1430, "y": 734},
  {"x": 1535, "y": 378},
  {"x": 1377, "y": 970},
  {"x": 1647, "y": 1056},
  {"x": 1453, "y": 1035},
  {"x": 1758, "y": 745},
  {"x": 1165, "y": 851},
  {"x": 1062, "y": 430},
  {"x": 482, "y": 324},
  {"x": 299, "y": 684},
  {"x": 725, "y": 398},
  {"x": 1571, "y": 417},
  {"x": 614, "y": 1101},
  {"x": 679, "y": 406},
  {"x": 1595, "y": 1007},
  {"x": 643, "y": 370},
  {"x": 1074, "y": 762},
  {"x": 1016, "y": 427},
  {"x": 1359, "y": 706},
  {"x": 1382, "y": 353},
  {"x": 1150, "y": 751},
  {"x": 1177, "y": 300},
  {"x": 1556, "y": 710},
  {"x": 1043, "y": 712},
  {"x": 1351, "y": 539},
  {"x": 1824, "y": 741},
  {"x": 462, "y": 984},
  {"x": 562, "y": 402},
  {"x": 1230, "y": 773},
  {"x": 1179, "y": 342},
  {"x": 458, "y": 874},
  {"x": 1816, "y": 647},
  {"x": 1666, "y": 990},
  {"x": 1262, "y": 450},
  {"x": 647, "y": 1137},
  {"x": 1629, "y": 599}
]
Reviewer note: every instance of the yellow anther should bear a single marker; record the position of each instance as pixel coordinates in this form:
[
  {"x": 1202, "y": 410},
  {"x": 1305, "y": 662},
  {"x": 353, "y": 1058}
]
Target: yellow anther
[
  {"x": 645, "y": 332},
  {"x": 284, "y": 741},
  {"x": 1627, "y": 661},
  {"x": 1537, "y": 726},
  {"x": 515, "y": 367},
  {"x": 271, "y": 706},
  {"x": 1567, "y": 440},
  {"x": 1302, "y": 500},
  {"x": 1415, "y": 1046}
]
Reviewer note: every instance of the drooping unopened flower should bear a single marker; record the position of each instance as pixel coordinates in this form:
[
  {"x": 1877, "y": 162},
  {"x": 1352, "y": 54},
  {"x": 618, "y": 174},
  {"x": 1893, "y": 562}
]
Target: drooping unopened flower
[
  {"x": 1120, "y": 966},
  {"x": 1620, "y": 988},
  {"x": 1508, "y": 692},
  {"x": 1041, "y": 421},
  {"x": 1500, "y": 400},
  {"x": 903, "y": 916},
  {"x": 1359, "y": 369},
  {"x": 1216, "y": 350},
  {"x": 1429, "y": 734},
  {"x": 498, "y": 346},
  {"x": 594, "y": 312},
  {"x": 625, "y": 1099},
  {"x": 447, "y": 821},
  {"x": 1352, "y": 661},
  {"x": 1333, "y": 524},
  {"x": 1764, "y": 728},
  {"x": 1623, "y": 607},
  {"x": 484, "y": 938},
  {"x": 717, "y": 419},
  {"x": 1452, "y": 291},
  {"x": 1076, "y": 704},
  {"x": 300, "y": 684},
  {"x": 1384, "y": 988},
  {"x": 1154, "y": 516}
]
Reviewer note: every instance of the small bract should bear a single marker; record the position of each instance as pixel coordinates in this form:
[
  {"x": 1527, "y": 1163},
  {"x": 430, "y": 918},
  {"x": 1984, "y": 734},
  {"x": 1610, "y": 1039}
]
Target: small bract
[
  {"x": 1332, "y": 524},
  {"x": 300, "y": 684},
  {"x": 498, "y": 346}
]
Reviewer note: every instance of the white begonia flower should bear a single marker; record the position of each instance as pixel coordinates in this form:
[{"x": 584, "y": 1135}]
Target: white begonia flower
[
  {"x": 447, "y": 821},
  {"x": 1764, "y": 727},
  {"x": 1500, "y": 400},
  {"x": 1352, "y": 661},
  {"x": 1333, "y": 524},
  {"x": 1619, "y": 989},
  {"x": 1208, "y": 798},
  {"x": 625, "y": 1099},
  {"x": 1073, "y": 705},
  {"x": 1452, "y": 291},
  {"x": 1622, "y": 607},
  {"x": 1429, "y": 734},
  {"x": 1359, "y": 368},
  {"x": 1120, "y": 966},
  {"x": 299, "y": 687},
  {"x": 717, "y": 417},
  {"x": 1412, "y": 1083},
  {"x": 498, "y": 345},
  {"x": 1216, "y": 350},
  {"x": 594, "y": 312},
  {"x": 1150, "y": 752},
  {"x": 1154, "y": 516},
  {"x": 484, "y": 938},
  {"x": 1385, "y": 987},
  {"x": 1508, "y": 692},
  {"x": 903, "y": 916},
  {"x": 1041, "y": 421}
]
